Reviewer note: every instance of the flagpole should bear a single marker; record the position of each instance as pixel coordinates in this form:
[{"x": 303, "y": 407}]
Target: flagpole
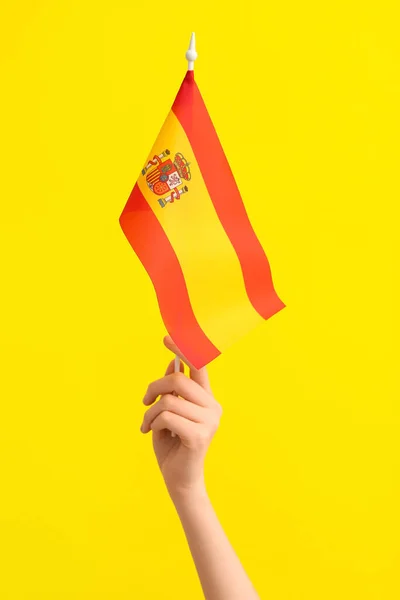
[{"x": 190, "y": 56}]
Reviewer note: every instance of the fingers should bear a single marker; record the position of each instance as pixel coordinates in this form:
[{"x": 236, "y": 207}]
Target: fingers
[
  {"x": 193, "y": 435},
  {"x": 186, "y": 430},
  {"x": 200, "y": 376},
  {"x": 181, "y": 385},
  {"x": 175, "y": 405},
  {"x": 171, "y": 367}
]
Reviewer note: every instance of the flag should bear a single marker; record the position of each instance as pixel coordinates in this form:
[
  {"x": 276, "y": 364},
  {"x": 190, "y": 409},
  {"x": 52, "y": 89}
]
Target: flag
[{"x": 187, "y": 223}]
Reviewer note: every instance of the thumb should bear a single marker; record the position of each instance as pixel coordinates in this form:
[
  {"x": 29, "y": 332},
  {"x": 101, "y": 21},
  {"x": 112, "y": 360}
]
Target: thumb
[{"x": 200, "y": 376}]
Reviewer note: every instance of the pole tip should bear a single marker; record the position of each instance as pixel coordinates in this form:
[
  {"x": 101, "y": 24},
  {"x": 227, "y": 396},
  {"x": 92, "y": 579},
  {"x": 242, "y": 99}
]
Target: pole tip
[{"x": 191, "y": 54}]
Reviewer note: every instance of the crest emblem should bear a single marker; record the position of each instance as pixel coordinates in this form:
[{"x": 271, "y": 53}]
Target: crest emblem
[{"x": 167, "y": 176}]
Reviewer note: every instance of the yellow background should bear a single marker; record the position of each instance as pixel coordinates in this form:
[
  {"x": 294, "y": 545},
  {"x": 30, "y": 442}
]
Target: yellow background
[{"x": 304, "y": 472}]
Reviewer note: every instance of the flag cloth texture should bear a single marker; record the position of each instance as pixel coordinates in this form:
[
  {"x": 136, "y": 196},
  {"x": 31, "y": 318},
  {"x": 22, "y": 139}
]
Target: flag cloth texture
[{"x": 187, "y": 223}]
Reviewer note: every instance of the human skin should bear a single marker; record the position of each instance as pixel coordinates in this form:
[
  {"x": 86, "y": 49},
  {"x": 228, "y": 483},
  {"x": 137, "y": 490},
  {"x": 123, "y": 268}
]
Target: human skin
[{"x": 183, "y": 418}]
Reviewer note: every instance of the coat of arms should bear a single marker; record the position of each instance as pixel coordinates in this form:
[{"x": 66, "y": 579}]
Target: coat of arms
[{"x": 167, "y": 176}]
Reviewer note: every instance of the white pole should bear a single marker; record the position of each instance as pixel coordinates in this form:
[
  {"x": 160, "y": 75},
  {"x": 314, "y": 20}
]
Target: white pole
[{"x": 191, "y": 54}]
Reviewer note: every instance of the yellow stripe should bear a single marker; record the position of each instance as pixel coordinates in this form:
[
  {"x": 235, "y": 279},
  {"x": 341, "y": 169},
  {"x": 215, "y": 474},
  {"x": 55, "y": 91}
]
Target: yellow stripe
[{"x": 209, "y": 262}]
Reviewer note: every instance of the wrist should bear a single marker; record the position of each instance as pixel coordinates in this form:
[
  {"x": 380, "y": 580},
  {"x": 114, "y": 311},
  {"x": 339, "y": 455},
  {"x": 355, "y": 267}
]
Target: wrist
[{"x": 183, "y": 496}]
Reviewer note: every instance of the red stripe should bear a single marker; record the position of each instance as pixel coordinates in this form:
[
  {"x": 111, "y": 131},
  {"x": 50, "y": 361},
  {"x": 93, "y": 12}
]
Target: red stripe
[
  {"x": 192, "y": 113},
  {"x": 150, "y": 242},
  {"x": 153, "y": 176}
]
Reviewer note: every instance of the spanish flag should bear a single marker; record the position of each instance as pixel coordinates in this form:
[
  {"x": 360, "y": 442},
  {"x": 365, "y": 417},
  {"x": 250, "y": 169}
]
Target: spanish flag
[{"x": 186, "y": 221}]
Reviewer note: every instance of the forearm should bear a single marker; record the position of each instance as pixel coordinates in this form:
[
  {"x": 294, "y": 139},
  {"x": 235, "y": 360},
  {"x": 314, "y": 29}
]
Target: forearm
[{"x": 220, "y": 571}]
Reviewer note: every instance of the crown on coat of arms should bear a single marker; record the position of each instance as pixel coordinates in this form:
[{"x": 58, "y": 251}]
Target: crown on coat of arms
[{"x": 182, "y": 166}]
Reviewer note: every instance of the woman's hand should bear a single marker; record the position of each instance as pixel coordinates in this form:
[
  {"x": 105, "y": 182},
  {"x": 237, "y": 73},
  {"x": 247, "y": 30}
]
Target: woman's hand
[{"x": 187, "y": 409}]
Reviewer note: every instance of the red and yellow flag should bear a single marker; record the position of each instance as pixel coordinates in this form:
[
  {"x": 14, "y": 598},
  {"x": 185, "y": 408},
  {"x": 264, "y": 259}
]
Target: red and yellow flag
[{"x": 186, "y": 221}]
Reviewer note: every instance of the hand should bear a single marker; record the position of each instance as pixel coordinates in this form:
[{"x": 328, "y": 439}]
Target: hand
[{"x": 188, "y": 409}]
